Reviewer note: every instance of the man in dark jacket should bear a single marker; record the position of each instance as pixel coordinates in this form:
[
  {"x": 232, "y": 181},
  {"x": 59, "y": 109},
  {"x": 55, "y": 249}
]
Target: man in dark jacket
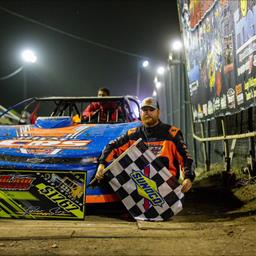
[{"x": 164, "y": 140}]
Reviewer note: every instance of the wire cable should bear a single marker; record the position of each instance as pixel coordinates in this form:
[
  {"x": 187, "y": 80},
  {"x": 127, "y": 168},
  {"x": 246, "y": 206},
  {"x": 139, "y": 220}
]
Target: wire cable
[
  {"x": 71, "y": 35},
  {"x": 12, "y": 74}
]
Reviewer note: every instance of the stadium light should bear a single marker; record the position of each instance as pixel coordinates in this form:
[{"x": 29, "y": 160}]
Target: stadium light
[
  {"x": 176, "y": 45},
  {"x": 144, "y": 64},
  {"x": 160, "y": 70},
  {"x": 29, "y": 56}
]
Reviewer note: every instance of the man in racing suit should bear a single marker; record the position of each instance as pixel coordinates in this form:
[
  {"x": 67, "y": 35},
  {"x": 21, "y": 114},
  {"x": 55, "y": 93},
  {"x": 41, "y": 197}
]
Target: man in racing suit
[
  {"x": 100, "y": 109},
  {"x": 164, "y": 140}
]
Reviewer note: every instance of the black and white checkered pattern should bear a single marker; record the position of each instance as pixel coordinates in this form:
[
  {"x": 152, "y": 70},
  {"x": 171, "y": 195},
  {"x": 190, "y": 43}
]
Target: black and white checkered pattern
[{"x": 135, "y": 160}]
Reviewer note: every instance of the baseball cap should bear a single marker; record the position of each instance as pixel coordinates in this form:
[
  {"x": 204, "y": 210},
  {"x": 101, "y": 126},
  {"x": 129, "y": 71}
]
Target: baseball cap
[{"x": 149, "y": 102}]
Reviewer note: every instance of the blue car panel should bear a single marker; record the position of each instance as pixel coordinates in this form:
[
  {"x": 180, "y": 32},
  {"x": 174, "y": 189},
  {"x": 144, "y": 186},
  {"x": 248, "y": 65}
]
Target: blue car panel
[{"x": 56, "y": 142}]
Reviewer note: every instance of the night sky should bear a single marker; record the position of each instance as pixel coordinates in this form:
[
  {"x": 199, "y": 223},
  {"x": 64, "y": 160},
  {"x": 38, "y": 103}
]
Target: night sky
[{"x": 71, "y": 67}]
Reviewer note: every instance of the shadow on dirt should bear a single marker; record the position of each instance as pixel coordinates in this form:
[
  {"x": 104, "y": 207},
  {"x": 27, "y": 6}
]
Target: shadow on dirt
[
  {"x": 209, "y": 203},
  {"x": 110, "y": 210},
  {"x": 201, "y": 203}
]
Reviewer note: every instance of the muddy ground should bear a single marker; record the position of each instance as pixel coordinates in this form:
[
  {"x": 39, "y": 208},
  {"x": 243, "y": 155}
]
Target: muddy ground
[{"x": 217, "y": 220}]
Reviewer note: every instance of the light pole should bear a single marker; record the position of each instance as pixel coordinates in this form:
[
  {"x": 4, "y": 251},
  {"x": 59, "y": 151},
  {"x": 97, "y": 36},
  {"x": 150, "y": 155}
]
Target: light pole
[
  {"x": 159, "y": 89},
  {"x": 158, "y": 83},
  {"x": 144, "y": 64},
  {"x": 28, "y": 57},
  {"x": 175, "y": 90}
]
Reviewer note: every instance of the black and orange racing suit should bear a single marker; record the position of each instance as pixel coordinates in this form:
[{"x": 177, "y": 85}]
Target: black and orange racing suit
[{"x": 164, "y": 140}]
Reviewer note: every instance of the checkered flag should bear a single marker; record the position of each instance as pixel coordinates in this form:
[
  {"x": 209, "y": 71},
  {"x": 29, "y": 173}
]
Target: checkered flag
[{"x": 144, "y": 184}]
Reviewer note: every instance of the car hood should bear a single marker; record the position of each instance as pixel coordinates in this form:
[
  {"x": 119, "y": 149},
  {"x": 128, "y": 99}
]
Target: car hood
[{"x": 74, "y": 141}]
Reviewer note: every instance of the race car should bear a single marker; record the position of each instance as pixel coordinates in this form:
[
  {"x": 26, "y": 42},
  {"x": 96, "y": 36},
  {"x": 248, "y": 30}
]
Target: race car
[
  {"x": 53, "y": 135},
  {"x": 10, "y": 118}
]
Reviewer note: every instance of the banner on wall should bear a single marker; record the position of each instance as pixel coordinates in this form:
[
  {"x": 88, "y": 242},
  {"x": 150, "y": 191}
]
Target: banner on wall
[{"x": 220, "y": 49}]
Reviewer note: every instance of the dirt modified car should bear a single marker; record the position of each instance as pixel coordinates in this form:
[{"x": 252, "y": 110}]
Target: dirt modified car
[{"x": 52, "y": 135}]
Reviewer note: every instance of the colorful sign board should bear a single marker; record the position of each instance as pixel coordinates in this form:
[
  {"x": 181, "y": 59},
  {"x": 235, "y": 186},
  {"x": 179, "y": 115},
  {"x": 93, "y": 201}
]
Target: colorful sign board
[
  {"x": 220, "y": 48},
  {"x": 41, "y": 194}
]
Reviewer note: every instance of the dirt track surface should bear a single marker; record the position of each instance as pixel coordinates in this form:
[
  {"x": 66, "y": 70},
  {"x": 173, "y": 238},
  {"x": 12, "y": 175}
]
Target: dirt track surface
[{"x": 212, "y": 223}]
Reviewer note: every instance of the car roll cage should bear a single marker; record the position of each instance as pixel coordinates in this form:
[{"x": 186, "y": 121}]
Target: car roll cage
[{"x": 70, "y": 105}]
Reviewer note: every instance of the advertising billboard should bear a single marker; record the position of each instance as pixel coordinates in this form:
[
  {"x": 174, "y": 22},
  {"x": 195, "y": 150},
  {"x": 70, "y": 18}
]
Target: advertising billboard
[{"x": 220, "y": 49}]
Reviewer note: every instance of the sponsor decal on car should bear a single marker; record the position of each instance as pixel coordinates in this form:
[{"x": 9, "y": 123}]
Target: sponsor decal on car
[
  {"x": 72, "y": 144},
  {"x": 42, "y": 194},
  {"x": 10, "y": 182},
  {"x": 44, "y": 146}
]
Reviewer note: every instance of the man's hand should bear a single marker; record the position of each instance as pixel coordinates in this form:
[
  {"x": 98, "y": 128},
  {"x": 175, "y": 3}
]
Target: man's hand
[
  {"x": 99, "y": 174},
  {"x": 186, "y": 185}
]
